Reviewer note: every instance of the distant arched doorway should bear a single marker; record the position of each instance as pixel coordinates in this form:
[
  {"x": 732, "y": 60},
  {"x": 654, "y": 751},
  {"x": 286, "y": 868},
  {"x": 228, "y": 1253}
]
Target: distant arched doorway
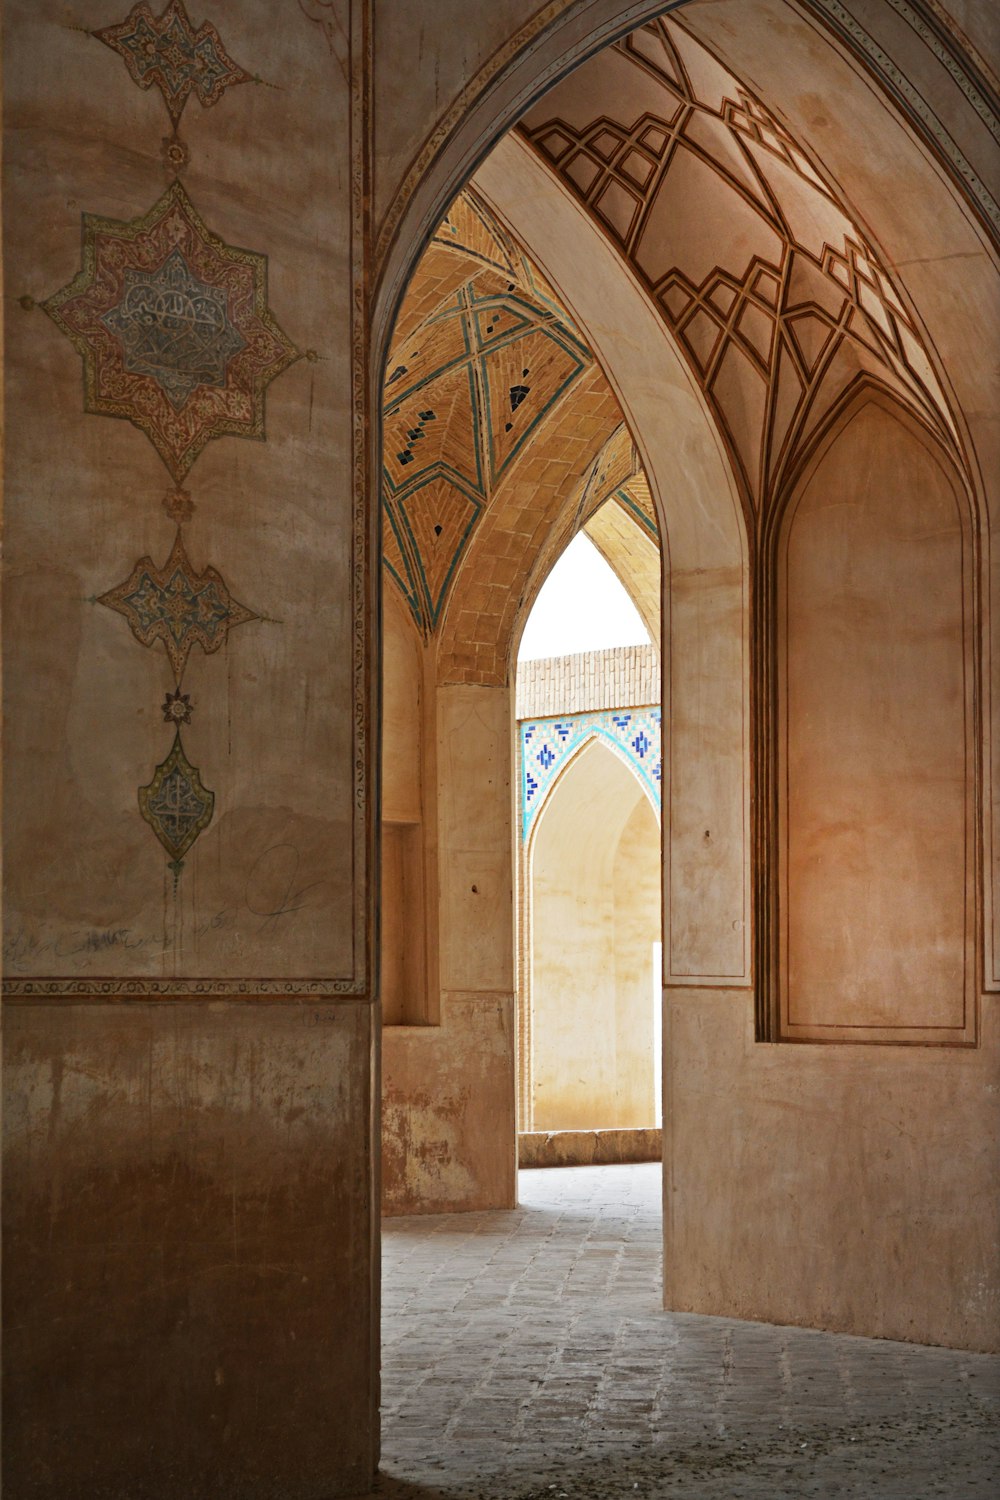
[{"x": 593, "y": 927}]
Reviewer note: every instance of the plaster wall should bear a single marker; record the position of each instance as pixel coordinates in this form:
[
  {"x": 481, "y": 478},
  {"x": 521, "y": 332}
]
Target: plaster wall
[
  {"x": 448, "y": 1082},
  {"x": 188, "y": 1182},
  {"x": 87, "y": 893},
  {"x": 848, "y": 1188},
  {"x": 636, "y": 879},
  {"x": 407, "y": 854},
  {"x": 875, "y": 744},
  {"x": 943, "y": 260},
  {"x": 448, "y": 1129},
  {"x": 768, "y": 1118},
  {"x": 594, "y": 917}
]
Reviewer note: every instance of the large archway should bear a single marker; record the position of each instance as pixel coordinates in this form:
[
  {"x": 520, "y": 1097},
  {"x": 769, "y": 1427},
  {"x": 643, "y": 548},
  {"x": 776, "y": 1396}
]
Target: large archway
[{"x": 710, "y": 492}]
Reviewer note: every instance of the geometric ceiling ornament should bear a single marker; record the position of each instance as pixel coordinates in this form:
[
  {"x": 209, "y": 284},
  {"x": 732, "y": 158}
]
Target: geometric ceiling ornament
[
  {"x": 437, "y": 521},
  {"x": 463, "y": 398},
  {"x": 175, "y": 804},
  {"x": 166, "y": 52},
  {"x": 174, "y": 329},
  {"x": 178, "y": 606},
  {"x": 758, "y": 266}
]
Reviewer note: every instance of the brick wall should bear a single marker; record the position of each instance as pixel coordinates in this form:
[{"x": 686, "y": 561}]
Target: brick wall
[{"x": 622, "y": 677}]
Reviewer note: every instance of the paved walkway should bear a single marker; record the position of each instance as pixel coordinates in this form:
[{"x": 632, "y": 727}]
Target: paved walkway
[{"x": 526, "y": 1358}]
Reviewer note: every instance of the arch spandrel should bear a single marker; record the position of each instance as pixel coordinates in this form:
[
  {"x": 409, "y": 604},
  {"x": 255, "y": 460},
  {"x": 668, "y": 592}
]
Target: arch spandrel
[{"x": 550, "y": 749}]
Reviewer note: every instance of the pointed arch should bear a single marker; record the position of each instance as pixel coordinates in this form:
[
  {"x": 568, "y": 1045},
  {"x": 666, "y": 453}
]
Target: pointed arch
[{"x": 870, "y": 732}]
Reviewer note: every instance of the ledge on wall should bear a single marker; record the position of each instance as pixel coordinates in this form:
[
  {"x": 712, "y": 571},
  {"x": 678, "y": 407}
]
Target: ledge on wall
[{"x": 588, "y": 1148}]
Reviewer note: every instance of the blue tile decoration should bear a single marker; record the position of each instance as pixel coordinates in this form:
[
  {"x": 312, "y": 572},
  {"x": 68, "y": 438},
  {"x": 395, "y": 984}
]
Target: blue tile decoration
[{"x": 546, "y": 745}]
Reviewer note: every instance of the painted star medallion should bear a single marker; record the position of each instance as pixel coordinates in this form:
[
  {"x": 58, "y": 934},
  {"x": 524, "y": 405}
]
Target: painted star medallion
[
  {"x": 168, "y": 53},
  {"x": 175, "y": 804},
  {"x": 177, "y": 708},
  {"x": 177, "y": 605},
  {"x": 174, "y": 329}
]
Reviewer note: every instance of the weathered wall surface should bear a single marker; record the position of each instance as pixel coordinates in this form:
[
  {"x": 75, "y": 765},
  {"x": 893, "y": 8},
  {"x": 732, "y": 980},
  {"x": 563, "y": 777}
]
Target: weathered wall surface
[
  {"x": 448, "y": 1123},
  {"x": 448, "y": 1127},
  {"x": 186, "y": 1203}
]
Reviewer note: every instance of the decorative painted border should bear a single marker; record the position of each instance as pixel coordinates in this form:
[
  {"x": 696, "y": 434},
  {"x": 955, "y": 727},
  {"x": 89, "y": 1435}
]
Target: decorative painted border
[{"x": 176, "y": 989}]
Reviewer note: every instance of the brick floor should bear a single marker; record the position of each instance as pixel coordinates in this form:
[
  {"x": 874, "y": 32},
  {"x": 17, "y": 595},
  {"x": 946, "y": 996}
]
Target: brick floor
[{"x": 526, "y": 1358}]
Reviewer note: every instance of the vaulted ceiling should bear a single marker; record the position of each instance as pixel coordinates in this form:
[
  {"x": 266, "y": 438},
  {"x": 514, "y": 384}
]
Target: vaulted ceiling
[
  {"x": 496, "y": 416},
  {"x": 779, "y": 298},
  {"x": 502, "y": 434}
]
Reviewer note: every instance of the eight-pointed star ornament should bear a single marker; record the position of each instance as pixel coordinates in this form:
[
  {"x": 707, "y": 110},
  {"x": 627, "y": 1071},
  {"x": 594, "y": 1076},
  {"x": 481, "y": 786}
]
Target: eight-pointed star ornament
[{"x": 174, "y": 329}]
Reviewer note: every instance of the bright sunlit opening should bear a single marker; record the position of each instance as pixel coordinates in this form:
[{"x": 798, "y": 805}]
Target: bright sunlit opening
[{"x": 581, "y": 606}]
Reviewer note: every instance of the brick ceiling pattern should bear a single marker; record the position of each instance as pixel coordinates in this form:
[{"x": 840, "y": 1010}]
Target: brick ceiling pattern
[{"x": 501, "y": 438}]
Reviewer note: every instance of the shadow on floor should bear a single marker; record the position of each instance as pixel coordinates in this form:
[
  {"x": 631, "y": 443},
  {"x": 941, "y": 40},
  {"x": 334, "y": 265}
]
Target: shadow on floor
[{"x": 925, "y": 1455}]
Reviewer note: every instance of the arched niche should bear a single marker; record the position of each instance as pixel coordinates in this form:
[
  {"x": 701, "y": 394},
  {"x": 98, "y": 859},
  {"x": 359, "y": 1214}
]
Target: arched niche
[
  {"x": 593, "y": 919},
  {"x": 875, "y": 734}
]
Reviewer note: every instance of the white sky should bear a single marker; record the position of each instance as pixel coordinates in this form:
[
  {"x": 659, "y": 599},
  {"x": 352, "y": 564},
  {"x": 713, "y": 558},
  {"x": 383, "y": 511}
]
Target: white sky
[{"x": 581, "y": 606}]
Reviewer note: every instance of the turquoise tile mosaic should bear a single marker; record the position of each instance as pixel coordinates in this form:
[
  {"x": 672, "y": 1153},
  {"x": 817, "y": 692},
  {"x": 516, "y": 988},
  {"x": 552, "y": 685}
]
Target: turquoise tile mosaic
[{"x": 547, "y": 745}]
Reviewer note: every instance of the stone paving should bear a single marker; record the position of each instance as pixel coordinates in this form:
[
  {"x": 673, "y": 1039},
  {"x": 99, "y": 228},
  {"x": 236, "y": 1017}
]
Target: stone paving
[{"x": 526, "y": 1358}]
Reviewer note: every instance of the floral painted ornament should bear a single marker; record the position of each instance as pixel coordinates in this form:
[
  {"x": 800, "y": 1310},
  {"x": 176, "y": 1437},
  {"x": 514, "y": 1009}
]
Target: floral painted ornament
[
  {"x": 168, "y": 53},
  {"x": 174, "y": 329},
  {"x": 176, "y": 805}
]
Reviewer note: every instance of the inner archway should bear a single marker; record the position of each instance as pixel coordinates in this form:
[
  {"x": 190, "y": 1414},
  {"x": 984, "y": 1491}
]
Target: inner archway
[{"x": 594, "y": 911}]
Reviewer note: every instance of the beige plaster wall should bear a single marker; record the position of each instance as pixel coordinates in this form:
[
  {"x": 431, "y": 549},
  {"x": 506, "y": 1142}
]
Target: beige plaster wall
[
  {"x": 875, "y": 743},
  {"x": 448, "y": 1130},
  {"x": 448, "y": 1127},
  {"x": 636, "y": 879},
  {"x": 188, "y": 1290},
  {"x": 593, "y": 870},
  {"x": 943, "y": 260},
  {"x": 849, "y": 1188},
  {"x": 407, "y": 858}
]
